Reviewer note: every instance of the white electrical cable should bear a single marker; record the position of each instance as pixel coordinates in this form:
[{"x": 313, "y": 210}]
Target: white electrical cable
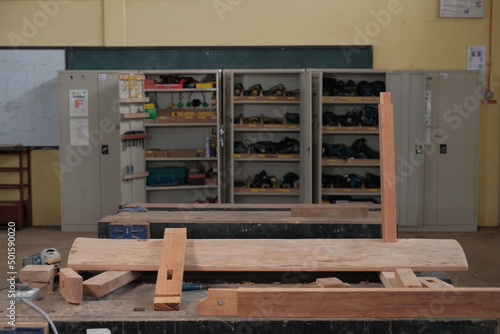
[{"x": 42, "y": 312}]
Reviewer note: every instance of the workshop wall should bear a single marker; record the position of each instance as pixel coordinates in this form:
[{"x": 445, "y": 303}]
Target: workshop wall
[{"x": 405, "y": 34}]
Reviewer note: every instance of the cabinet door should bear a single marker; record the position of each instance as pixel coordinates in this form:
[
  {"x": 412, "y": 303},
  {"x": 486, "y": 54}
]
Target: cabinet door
[
  {"x": 110, "y": 148},
  {"x": 451, "y": 188},
  {"x": 79, "y": 152},
  {"x": 407, "y": 94}
]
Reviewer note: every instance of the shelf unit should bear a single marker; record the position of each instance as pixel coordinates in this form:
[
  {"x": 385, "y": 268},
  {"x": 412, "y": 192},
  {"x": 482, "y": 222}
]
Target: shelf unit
[
  {"x": 19, "y": 209},
  {"x": 241, "y": 128},
  {"x": 327, "y": 99},
  {"x": 179, "y": 125}
]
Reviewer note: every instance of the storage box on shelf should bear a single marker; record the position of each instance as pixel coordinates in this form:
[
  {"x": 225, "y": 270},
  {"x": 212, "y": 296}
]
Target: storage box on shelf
[
  {"x": 184, "y": 137},
  {"x": 346, "y": 142},
  {"x": 268, "y": 129}
]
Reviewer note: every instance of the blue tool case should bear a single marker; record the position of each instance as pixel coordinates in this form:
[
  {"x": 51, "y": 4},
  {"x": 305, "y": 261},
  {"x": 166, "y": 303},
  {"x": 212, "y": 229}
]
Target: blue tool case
[{"x": 166, "y": 176}]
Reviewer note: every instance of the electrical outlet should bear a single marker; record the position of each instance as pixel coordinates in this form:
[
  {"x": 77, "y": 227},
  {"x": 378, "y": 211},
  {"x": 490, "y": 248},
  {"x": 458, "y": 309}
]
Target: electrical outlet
[{"x": 476, "y": 56}]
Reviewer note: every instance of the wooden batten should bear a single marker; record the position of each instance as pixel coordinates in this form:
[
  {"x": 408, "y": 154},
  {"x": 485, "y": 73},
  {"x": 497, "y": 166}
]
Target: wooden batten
[
  {"x": 107, "y": 282},
  {"x": 71, "y": 286}
]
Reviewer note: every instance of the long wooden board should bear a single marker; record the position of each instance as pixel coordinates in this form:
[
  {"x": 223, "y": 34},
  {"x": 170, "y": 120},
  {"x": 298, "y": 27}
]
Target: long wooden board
[
  {"x": 171, "y": 271},
  {"x": 273, "y": 255},
  {"x": 353, "y": 302}
]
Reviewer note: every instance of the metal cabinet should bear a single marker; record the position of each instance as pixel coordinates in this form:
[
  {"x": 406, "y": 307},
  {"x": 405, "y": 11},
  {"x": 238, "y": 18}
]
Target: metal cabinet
[
  {"x": 436, "y": 130},
  {"x": 90, "y": 150}
]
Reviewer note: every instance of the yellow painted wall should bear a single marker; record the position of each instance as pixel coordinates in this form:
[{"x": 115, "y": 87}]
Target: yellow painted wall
[{"x": 406, "y": 34}]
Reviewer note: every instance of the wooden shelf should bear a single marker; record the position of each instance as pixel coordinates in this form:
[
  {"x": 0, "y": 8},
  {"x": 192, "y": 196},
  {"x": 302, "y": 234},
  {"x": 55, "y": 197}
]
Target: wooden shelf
[
  {"x": 267, "y": 191},
  {"x": 154, "y": 125},
  {"x": 183, "y": 187},
  {"x": 135, "y": 176},
  {"x": 266, "y": 157},
  {"x": 266, "y": 99},
  {"x": 267, "y": 127},
  {"x": 351, "y": 99},
  {"x": 134, "y": 100},
  {"x": 180, "y": 121},
  {"x": 134, "y": 115},
  {"x": 349, "y": 191},
  {"x": 183, "y": 159},
  {"x": 350, "y": 162},
  {"x": 350, "y": 130}
]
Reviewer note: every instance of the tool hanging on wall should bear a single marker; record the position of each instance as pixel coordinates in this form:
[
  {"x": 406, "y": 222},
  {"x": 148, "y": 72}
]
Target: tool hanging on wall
[
  {"x": 189, "y": 104},
  {"x": 133, "y": 138},
  {"x": 172, "y": 104},
  {"x": 180, "y": 104}
]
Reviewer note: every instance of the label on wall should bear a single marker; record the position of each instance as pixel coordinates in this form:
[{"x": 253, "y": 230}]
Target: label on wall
[
  {"x": 427, "y": 117},
  {"x": 79, "y": 132},
  {"x": 79, "y": 103},
  {"x": 462, "y": 8}
]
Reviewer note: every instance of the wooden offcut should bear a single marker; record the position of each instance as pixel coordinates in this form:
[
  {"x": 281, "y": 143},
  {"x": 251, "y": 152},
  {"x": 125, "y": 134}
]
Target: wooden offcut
[
  {"x": 171, "y": 270},
  {"x": 331, "y": 282},
  {"x": 71, "y": 286},
  {"x": 387, "y": 168},
  {"x": 37, "y": 273},
  {"x": 352, "y": 303},
  {"x": 273, "y": 255},
  {"x": 407, "y": 278},
  {"x": 108, "y": 281}
]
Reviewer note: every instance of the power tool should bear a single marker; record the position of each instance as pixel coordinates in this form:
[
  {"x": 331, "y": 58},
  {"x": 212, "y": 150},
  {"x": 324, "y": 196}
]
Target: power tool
[{"x": 47, "y": 256}]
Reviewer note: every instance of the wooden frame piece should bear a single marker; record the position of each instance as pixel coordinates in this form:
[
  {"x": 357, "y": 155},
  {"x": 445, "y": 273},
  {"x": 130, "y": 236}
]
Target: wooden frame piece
[
  {"x": 443, "y": 302},
  {"x": 108, "y": 281},
  {"x": 387, "y": 168},
  {"x": 345, "y": 212},
  {"x": 171, "y": 271}
]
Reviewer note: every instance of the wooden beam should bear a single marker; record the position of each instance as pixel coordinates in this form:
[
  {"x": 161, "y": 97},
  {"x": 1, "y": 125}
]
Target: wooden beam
[
  {"x": 388, "y": 278},
  {"x": 37, "y": 273},
  {"x": 387, "y": 168},
  {"x": 70, "y": 286},
  {"x": 171, "y": 270},
  {"x": 108, "y": 281},
  {"x": 273, "y": 255},
  {"x": 327, "y": 211},
  {"x": 352, "y": 303}
]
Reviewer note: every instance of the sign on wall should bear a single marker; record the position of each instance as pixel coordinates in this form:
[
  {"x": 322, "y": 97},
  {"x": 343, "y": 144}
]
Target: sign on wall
[{"x": 461, "y": 8}]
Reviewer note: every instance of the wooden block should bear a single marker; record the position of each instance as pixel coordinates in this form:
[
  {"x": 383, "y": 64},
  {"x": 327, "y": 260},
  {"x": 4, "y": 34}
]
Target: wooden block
[
  {"x": 331, "y": 212},
  {"x": 433, "y": 282},
  {"x": 171, "y": 270},
  {"x": 45, "y": 288},
  {"x": 331, "y": 282},
  {"x": 70, "y": 286},
  {"x": 108, "y": 281},
  {"x": 407, "y": 278},
  {"x": 37, "y": 273},
  {"x": 353, "y": 303},
  {"x": 387, "y": 168},
  {"x": 273, "y": 255},
  {"x": 388, "y": 278}
]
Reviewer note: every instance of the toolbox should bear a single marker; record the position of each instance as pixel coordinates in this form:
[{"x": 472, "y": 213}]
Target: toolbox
[
  {"x": 166, "y": 176},
  {"x": 197, "y": 179}
]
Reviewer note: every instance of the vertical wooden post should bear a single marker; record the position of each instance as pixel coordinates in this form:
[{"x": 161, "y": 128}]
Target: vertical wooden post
[
  {"x": 171, "y": 271},
  {"x": 387, "y": 168}
]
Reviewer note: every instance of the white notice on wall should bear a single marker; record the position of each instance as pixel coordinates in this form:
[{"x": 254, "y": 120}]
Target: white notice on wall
[
  {"x": 78, "y": 103},
  {"x": 79, "y": 132}
]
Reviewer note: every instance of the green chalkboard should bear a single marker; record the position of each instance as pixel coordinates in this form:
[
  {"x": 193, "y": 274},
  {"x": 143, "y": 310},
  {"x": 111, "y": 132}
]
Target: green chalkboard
[{"x": 251, "y": 57}]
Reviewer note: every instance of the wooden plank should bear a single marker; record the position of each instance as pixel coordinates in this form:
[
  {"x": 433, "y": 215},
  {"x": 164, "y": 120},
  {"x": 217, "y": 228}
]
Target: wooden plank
[
  {"x": 273, "y": 255},
  {"x": 37, "y": 273},
  {"x": 171, "y": 271},
  {"x": 108, "y": 281},
  {"x": 387, "y": 168},
  {"x": 70, "y": 286},
  {"x": 135, "y": 175},
  {"x": 45, "y": 288},
  {"x": 407, "y": 278},
  {"x": 331, "y": 212},
  {"x": 433, "y": 282},
  {"x": 354, "y": 303}
]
